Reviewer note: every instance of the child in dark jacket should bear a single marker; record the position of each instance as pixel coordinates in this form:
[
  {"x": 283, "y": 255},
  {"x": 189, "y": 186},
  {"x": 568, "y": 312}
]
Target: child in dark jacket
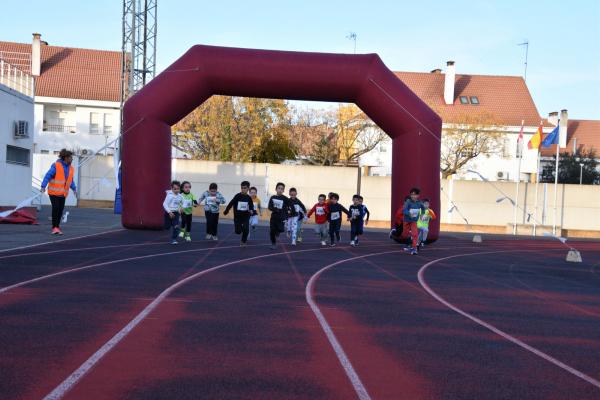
[
  {"x": 335, "y": 218},
  {"x": 357, "y": 215},
  {"x": 411, "y": 211},
  {"x": 243, "y": 209},
  {"x": 281, "y": 209}
]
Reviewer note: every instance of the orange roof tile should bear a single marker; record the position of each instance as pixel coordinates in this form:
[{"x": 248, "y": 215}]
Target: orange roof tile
[
  {"x": 74, "y": 73},
  {"x": 584, "y": 133},
  {"x": 506, "y": 97}
]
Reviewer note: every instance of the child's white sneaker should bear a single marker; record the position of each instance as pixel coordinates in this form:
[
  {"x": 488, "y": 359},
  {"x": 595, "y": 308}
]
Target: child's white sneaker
[
  {"x": 323, "y": 243},
  {"x": 215, "y": 238},
  {"x": 352, "y": 243},
  {"x": 293, "y": 242},
  {"x": 208, "y": 237}
]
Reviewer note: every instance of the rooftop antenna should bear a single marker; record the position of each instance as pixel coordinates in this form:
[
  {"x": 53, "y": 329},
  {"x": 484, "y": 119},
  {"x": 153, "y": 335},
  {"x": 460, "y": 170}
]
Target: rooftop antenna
[
  {"x": 526, "y": 44},
  {"x": 352, "y": 36}
]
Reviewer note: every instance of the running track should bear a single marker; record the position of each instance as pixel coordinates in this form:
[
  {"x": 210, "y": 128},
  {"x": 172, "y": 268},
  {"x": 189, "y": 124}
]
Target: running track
[{"x": 123, "y": 315}]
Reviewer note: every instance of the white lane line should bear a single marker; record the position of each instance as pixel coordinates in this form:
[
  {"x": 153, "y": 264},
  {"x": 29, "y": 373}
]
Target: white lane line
[
  {"x": 539, "y": 353},
  {"x": 357, "y": 384},
  {"x": 61, "y": 240},
  {"x": 84, "y": 368},
  {"x": 102, "y": 264}
]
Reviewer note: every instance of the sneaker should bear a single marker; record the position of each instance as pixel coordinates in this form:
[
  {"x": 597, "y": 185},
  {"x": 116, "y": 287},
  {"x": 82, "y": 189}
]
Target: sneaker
[
  {"x": 215, "y": 238},
  {"x": 181, "y": 234},
  {"x": 293, "y": 242},
  {"x": 273, "y": 247},
  {"x": 174, "y": 241},
  {"x": 413, "y": 252},
  {"x": 352, "y": 243},
  {"x": 242, "y": 244},
  {"x": 188, "y": 238},
  {"x": 299, "y": 239},
  {"x": 407, "y": 249},
  {"x": 58, "y": 231},
  {"x": 54, "y": 231},
  {"x": 323, "y": 243},
  {"x": 332, "y": 245},
  {"x": 208, "y": 237}
]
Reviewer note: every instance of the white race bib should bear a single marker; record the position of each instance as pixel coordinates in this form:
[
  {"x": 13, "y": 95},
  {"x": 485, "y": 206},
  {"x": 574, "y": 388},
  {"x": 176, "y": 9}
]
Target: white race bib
[
  {"x": 355, "y": 212},
  {"x": 320, "y": 211},
  {"x": 278, "y": 203},
  {"x": 187, "y": 203},
  {"x": 211, "y": 200},
  {"x": 242, "y": 206},
  {"x": 297, "y": 208},
  {"x": 335, "y": 215},
  {"x": 414, "y": 212}
]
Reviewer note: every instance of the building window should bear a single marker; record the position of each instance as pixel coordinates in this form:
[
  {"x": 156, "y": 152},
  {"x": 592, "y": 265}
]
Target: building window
[
  {"x": 44, "y": 152},
  {"x": 464, "y": 100},
  {"x": 506, "y": 149},
  {"x": 17, "y": 155},
  {"x": 56, "y": 152},
  {"x": 474, "y": 100},
  {"x": 94, "y": 122},
  {"x": 108, "y": 124},
  {"x": 59, "y": 118}
]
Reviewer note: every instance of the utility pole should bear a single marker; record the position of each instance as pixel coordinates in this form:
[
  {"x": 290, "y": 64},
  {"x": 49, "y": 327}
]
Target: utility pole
[
  {"x": 526, "y": 44},
  {"x": 352, "y": 36}
]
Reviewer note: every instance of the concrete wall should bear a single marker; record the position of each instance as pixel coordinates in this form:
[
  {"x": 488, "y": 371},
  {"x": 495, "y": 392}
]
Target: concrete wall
[
  {"x": 578, "y": 206},
  {"x": 15, "y": 178}
]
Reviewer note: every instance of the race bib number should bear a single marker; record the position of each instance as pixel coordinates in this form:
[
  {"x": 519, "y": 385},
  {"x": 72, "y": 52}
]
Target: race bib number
[
  {"x": 335, "y": 215},
  {"x": 187, "y": 203},
  {"x": 278, "y": 203},
  {"x": 425, "y": 217},
  {"x": 242, "y": 206},
  {"x": 297, "y": 208},
  {"x": 355, "y": 212},
  {"x": 414, "y": 212},
  {"x": 320, "y": 211},
  {"x": 211, "y": 200}
]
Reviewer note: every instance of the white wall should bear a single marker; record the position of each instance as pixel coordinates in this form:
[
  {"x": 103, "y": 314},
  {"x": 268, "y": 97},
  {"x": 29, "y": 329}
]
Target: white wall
[
  {"x": 15, "y": 178},
  {"x": 82, "y": 139}
]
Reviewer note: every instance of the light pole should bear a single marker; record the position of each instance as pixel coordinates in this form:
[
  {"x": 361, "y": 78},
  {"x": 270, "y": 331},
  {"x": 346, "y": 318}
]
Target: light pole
[{"x": 580, "y": 173}]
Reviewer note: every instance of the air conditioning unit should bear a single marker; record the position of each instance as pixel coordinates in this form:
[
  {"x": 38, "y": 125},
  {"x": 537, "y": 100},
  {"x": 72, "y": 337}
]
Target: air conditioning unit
[
  {"x": 21, "y": 129},
  {"x": 502, "y": 174},
  {"x": 86, "y": 152}
]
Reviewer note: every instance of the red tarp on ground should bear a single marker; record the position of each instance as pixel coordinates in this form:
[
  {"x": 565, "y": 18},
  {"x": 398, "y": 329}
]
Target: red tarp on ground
[{"x": 23, "y": 216}]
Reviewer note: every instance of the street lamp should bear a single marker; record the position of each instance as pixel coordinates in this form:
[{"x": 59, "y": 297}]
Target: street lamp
[{"x": 580, "y": 173}]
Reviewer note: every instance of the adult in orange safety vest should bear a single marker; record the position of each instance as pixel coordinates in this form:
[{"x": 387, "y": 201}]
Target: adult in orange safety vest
[{"x": 58, "y": 180}]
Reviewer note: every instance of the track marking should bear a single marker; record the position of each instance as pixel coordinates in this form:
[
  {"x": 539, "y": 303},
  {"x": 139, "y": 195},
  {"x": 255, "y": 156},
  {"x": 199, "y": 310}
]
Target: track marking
[
  {"x": 357, "y": 384},
  {"x": 539, "y": 353},
  {"x": 60, "y": 240},
  {"x": 102, "y": 264},
  {"x": 84, "y": 368}
]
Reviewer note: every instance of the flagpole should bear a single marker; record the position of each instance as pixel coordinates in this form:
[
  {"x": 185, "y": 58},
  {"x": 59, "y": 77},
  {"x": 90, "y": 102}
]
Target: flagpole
[
  {"x": 537, "y": 183},
  {"x": 556, "y": 182},
  {"x": 520, "y": 157}
]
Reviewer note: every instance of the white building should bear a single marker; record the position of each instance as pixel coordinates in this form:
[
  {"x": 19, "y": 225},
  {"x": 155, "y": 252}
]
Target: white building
[
  {"x": 78, "y": 95},
  {"x": 16, "y": 139},
  {"x": 453, "y": 96}
]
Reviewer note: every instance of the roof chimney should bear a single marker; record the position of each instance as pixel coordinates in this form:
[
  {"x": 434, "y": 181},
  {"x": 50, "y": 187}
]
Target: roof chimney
[
  {"x": 436, "y": 71},
  {"x": 562, "y": 128},
  {"x": 449, "y": 83},
  {"x": 553, "y": 118},
  {"x": 36, "y": 55}
]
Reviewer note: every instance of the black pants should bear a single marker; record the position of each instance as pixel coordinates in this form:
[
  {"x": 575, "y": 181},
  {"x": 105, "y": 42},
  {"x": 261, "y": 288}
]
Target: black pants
[
  {"x": 186, "y": 222},
  {"x": 173, "y": 224},
  {"x": 242, "y": 226},
  {"x": 212, "y": 222},
  {"x": 58, "y": 206},
  {"x": 356, "y": 229},
  {"x": 334, "y": 230},
  {"x": 276, "y": 226}
]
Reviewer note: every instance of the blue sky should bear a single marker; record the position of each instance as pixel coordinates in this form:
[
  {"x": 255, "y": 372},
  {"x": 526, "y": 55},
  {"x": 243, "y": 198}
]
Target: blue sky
[{"x": 481, "y": 36}]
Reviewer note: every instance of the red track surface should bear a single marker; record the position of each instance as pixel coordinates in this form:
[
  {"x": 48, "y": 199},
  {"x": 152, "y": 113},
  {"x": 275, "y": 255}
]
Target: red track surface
[{"x": 516, "y": 321}]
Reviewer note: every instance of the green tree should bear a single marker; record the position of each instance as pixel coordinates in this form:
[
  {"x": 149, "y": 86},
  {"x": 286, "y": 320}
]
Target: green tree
[{"x": 570, "y": 168}]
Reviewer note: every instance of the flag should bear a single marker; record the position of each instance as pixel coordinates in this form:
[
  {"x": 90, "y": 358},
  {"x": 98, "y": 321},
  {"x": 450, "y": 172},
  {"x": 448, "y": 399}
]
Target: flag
[
  {"x": 534, "y": 142},
  {"x": 551, "y": 138},
  {"x": 520, "y": 141}
]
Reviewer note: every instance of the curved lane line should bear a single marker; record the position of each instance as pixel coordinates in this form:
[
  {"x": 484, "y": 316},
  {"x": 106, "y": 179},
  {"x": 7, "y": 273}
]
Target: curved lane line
[
  {"x": 84, "y": 368},
  {"x": 539, "y": 353},
  {"x": 357, "y": 384}
]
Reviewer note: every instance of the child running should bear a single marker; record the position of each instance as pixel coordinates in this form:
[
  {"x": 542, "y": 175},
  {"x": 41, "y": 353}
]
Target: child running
[
  {"x": 356, "y": 218},
  {"x": 412, "y": 209},
  {"x": 212, "y": 202},
  {"x": 257, "y": 208},
  {"x": 425, "y": 215},
  {"x": 172, "y": 207},
  {"x": 189, "y": 201},
  {"x": 335, "y": 218},
  {"x": 365, "y": 209},
  {"x": 321, "y": 211},
  {"x": 280, "y": 208},
  {"x": 243, "y": 209},
  {"x": 294, "y": 223}
]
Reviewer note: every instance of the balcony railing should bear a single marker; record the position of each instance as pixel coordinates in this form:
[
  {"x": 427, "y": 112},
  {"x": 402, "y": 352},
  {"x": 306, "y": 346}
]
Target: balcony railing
[
  {"x": 16, "y": 79},
  {"x": 59, "y": 128}
]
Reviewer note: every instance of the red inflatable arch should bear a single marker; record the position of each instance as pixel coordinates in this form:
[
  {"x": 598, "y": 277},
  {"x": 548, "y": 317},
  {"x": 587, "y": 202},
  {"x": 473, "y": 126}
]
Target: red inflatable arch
[{"x": 204, "y": 71}]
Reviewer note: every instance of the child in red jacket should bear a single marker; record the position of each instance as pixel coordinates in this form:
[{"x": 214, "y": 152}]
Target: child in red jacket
[{"x": 321, "y": 211}]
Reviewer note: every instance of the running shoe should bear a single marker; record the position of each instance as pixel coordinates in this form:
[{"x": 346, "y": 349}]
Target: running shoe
[
  {"x": 181, "y": 234},
  {"x": 323, "y": 243},
  {"x": 174, "y": 241},
  {"x": 55, "y": 231},
  {"x": 208, "y": 237}
]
